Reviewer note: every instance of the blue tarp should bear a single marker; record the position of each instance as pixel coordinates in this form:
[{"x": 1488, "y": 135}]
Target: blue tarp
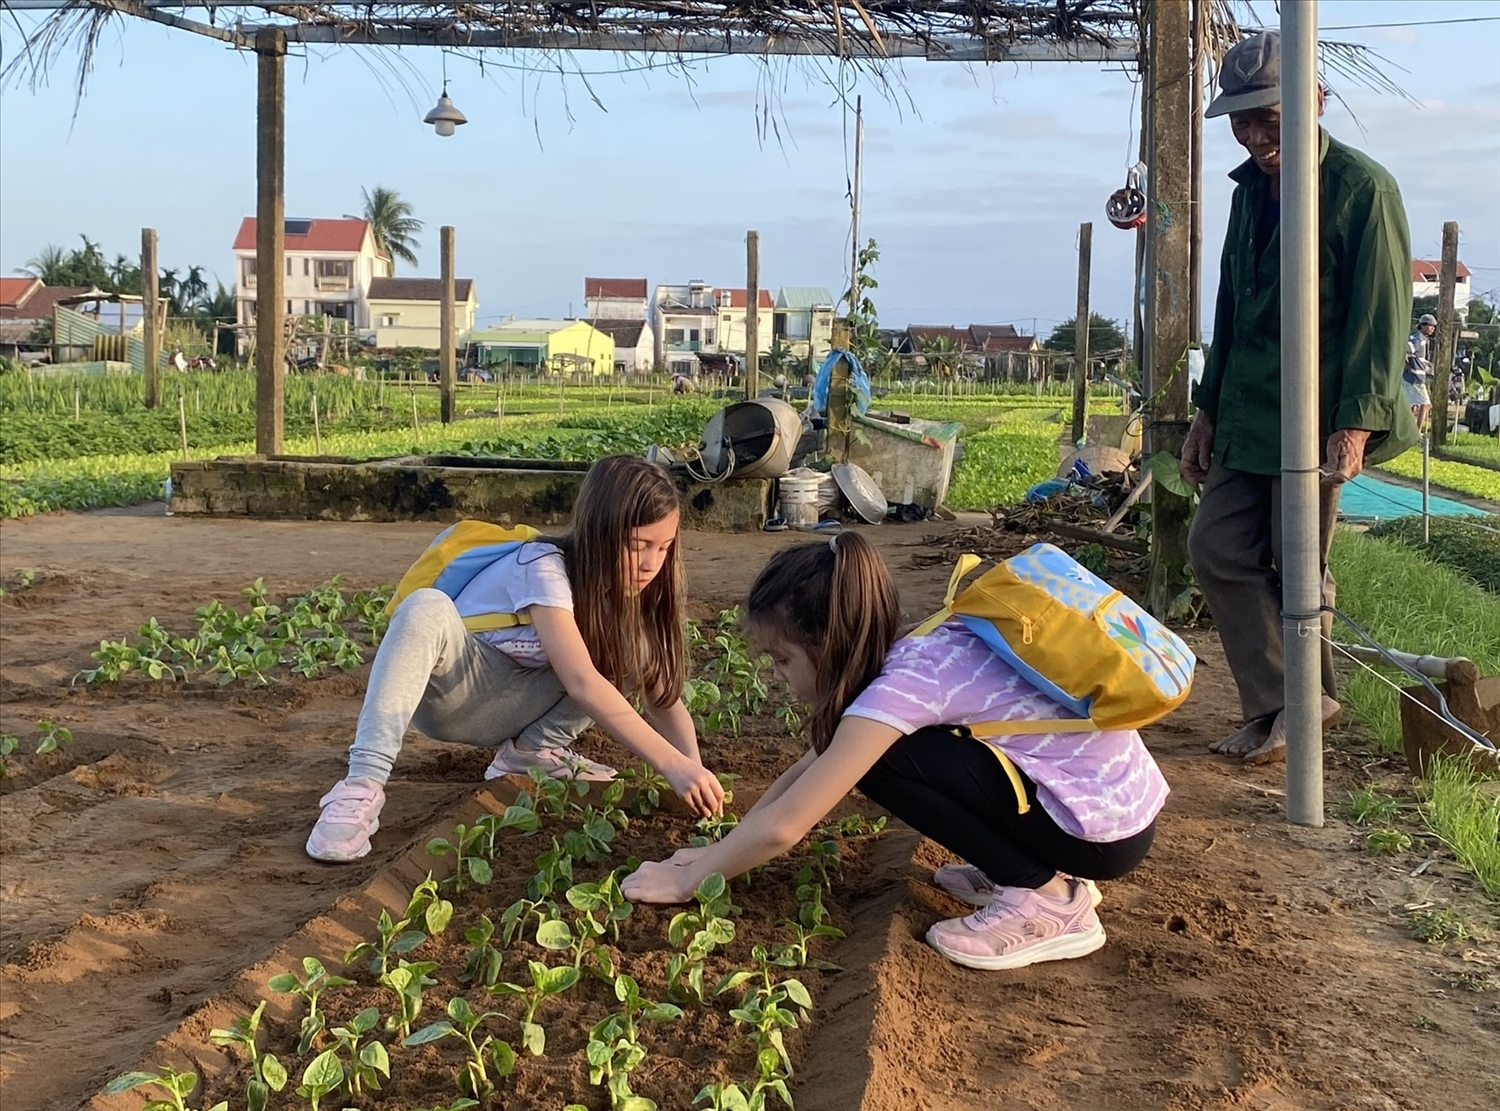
[{"x": 1369, "y": 497}]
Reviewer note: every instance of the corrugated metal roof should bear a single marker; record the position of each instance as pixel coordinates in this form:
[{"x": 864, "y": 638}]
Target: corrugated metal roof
[{"x": 803, "y": 297}]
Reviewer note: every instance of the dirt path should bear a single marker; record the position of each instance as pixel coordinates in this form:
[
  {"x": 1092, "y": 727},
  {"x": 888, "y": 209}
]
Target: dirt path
[{"x": 1251, "y": 964}]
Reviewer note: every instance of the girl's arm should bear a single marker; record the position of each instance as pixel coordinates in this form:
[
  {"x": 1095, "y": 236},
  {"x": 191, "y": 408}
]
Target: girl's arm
[
  {"x": 570, "y": 661},
  {"x": 676, "y": 725},
  {"x": 784, "y": 780},
  {"x": 774, "y": 828}
]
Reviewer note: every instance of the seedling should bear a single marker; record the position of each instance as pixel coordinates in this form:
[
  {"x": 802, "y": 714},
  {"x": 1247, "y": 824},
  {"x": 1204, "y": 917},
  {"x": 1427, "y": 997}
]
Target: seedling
[
  {"x": 580, "y": 938},
  {"x": 552, "y": 793},
  {"x": 704, "y": 930},
  {"x": 648, "y": 785},
  {"x": 1388, "y": 841},
  {"x": 852, "y": 825},
  {"x": 544, "y": 982},
  {"x": 516, "y": 817},
  {"x": 590, "y": 841},
  {"x": 468, "y": 863},
  {"x": 368, "y": 1062},
  {"x": 267, "y": 1074},
  {"x": 318, "y": 980},
  {"x": 765, "y": 1011},
  {"x": 714, "y": 828},
  {"x": 514, "y": 918},
  {"x": 8, "y": 744},
  {"x": 323, "y": 1076},
  {"x": 461, "y": 1103},
  {"x": 395, "y": 940},
  {"x": 407, "y": 981},
  {"x": 554, "y": 872},
  {"x": 177, "y": 1085},
  {"x": 724, "y": 1096},
  {"x": 484, "y": 963},
  {"x": 484, "y": 1054},
  {"x": 604, "y": 899},
  {"x": 434, "y": 910},
  {"x": 825, "y": 863},
  {"x": 614, "y": 1048},
  {"x": 1437, "y": 927}
]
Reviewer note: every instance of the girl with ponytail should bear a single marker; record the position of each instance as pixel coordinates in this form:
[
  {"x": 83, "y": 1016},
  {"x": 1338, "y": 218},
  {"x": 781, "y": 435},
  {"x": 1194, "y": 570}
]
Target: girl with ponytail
[{"x": 1036, "y": 817}]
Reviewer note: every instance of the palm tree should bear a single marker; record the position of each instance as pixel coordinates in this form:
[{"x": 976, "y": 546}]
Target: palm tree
[
  {"x": 193, "y": 288},
  {"x": 393, "y": 224},
  {"x": 51, "y": 265}
]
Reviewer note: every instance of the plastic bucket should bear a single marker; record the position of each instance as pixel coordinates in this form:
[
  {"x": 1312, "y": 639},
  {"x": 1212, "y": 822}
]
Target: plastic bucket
[{"x": 799, "y": 499}]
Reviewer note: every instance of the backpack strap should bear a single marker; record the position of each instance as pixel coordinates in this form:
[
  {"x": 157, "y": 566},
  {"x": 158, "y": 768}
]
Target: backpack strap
[
  {"x": 966, "y": 563},
  {"x": 1012, "y": 773},
  {"x": 488, "y": 622}
]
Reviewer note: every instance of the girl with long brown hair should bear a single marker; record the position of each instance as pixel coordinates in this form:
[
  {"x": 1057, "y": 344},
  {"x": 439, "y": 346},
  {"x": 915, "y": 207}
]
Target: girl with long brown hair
[
  {"x": 605, "y": 609},
  {"x": 1030, "y": 814}
]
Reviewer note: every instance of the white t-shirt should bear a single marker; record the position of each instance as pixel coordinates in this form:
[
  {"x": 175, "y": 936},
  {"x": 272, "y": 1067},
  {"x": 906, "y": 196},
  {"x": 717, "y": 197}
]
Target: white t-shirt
[{"x": 533, "y": 575}]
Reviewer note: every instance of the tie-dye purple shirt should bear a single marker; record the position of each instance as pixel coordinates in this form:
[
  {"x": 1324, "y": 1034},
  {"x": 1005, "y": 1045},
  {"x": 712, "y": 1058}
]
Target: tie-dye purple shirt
[{"x": 1095, "y": 786}]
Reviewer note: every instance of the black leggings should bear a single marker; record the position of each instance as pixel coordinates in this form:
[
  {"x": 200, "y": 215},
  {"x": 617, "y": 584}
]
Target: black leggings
[{"x": 951, "y": 788}]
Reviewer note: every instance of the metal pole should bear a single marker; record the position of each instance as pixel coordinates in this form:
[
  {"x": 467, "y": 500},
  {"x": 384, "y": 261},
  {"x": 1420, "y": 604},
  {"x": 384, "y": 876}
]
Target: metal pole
[
  {"x": 859, "y": 143},
  {"x": 1301, "y": 583},
  {"x": 1426, "y": 492}
]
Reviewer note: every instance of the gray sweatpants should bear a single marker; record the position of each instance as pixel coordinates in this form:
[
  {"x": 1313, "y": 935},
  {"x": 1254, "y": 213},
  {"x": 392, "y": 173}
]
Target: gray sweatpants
[
  {"x": 1235, "y": 549},
  {"x": 432, "y": 673}
]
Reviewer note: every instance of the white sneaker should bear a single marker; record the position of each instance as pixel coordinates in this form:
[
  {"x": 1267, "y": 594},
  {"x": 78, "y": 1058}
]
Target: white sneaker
[
  {"x": 351, "y": 815},
  {"x": 968, "y": 884},
  {"x": 560, "y": 763}
]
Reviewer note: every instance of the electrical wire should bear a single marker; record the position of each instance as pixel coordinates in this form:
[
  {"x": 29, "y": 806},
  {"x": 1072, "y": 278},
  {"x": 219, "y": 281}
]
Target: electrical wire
[{"x": 1412, "y": 23}]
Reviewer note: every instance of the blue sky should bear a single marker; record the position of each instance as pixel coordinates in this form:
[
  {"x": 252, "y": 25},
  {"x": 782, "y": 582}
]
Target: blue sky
[{"x": 976, "y": 178}]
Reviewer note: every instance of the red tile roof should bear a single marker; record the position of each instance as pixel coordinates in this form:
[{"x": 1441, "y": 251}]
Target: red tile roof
[
  {"x": 1430, "y": 269},
  {"x": 322, "y": 235},
  {"x": 737, "y": 298},
  {"x": 626, "y": 289},
  {"x": 14, "y": 291},
  {"x": 37, "y": 305}
]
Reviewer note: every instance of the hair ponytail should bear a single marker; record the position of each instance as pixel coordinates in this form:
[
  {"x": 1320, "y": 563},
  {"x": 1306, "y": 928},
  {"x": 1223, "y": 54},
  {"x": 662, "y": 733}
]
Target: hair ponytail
[{"x": 837, "y": 602}]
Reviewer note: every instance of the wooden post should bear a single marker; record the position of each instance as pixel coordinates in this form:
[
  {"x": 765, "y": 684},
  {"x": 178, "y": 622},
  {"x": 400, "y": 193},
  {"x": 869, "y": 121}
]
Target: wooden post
[
  {"x": 447, "y": 375},
  {"x": 752, "y": 315},
  {"x": 1195, "y": 169},
  {"x": 1442, "y": 360},
  {"x": 1168, "y": 90},
  {"x": 1081, "y": 332},
  {"x": 270, "y": 237},
  {"x": 150, "y": 335}
]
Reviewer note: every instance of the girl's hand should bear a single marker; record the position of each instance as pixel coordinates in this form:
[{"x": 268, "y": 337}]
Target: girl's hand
[
  {"x": 686, "y": 856},
  {"x": 659, "y": 881},
  {"x": 698, "y": 787}
]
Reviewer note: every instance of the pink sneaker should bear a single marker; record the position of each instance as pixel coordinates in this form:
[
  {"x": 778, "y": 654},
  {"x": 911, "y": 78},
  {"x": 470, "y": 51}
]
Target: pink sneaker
[
  {"x": 351, "y": 815},
  {"x": 1019, "y": 928},
  {"x": 560, "y": 763},
  {"x": 968, "y": 884}
]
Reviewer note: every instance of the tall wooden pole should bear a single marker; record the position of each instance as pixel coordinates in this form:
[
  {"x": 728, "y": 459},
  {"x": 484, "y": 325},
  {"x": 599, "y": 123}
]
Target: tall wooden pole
[
  {"x": 1169, "y": 92},
  {"x": 752, "y": 315},
  {"x": 1195, "y": 200},
  {"x": 270, "y": 236},
  {"x": 447, "y": 375},
  {"x": 859, "y": 157},
  {"x": 150, "y": 335},
  {"x": 1442, "y": 361},
  {"x": 1081, "y": 332}
]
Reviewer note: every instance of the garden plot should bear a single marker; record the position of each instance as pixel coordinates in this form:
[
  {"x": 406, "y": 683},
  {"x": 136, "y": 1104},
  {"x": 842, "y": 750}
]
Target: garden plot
[{"x": 154, "y": 882}]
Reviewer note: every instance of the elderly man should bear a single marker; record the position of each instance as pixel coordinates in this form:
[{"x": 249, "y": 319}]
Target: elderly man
[
  {"x": 1418, "y": 370},
  {"x": 1234, "y": 446}
]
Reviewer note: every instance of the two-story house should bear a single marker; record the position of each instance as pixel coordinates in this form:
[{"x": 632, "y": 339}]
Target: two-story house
[
  {"x": 803, "y": 321},
  {"x": 698, "y": 318},
  {"x": 614, "y": 298},
  {"x": 1426, "y": 281},
  {"x": 329, "y": 267},
  {"x": 408, "y": 312}
]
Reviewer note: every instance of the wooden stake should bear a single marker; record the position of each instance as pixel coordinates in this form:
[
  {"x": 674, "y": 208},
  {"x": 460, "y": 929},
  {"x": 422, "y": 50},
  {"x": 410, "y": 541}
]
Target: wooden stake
[
  {"x": 1442, "y": 360},
  {"x": 752, "y": 315},
  {"x": 1081, "y": 333},
  {"x": 150, "y": 335},
  {"x": 416, "y": 427},
  {"x": 317, "y": 428},
  {"x": 77, "y": 405},
  {"x": 270, "y": 238},
  {"x": 182, "y": 422},
  {"x": 447, "y": 376}
]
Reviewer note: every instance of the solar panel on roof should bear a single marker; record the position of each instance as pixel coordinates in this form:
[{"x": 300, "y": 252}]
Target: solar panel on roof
[{"x": 298, "y": 227}]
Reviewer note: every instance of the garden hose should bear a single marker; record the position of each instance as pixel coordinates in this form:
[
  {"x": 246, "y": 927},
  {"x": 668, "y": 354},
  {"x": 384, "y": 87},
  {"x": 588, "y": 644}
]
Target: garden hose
[{"x": 1476, "y": 738}]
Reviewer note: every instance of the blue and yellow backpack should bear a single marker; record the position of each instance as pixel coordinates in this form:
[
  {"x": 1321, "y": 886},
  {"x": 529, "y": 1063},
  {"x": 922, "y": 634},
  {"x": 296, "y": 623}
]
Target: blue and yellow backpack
[{"x": 453, "y": 559}]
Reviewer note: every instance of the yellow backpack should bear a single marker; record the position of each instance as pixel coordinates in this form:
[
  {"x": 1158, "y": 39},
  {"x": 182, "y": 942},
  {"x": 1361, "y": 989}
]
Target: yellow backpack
[
  {"x": 1079, "y": 641},
  {"x": 453, "y": 559}
]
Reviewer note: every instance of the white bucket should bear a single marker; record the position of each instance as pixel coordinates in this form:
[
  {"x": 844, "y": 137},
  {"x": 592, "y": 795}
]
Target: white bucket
[{"x": 799, "y": 499}]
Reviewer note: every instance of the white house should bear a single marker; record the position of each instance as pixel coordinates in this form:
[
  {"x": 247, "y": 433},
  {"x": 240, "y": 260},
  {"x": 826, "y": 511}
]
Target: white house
[
  {"x": 614, "y": 298},
  {"x": 329, "y": 267},
  {"x": 408, "y": 312},
  {"x": 1426, "y": 282},
  {"x": 804, "y": 320},
  {"x": 700, "y": 318},
  {"x": 635, "y": 344}
]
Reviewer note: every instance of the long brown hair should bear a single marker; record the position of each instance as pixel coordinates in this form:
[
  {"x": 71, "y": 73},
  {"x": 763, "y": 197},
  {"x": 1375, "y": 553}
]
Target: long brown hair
[
  {"x": 635, "y": 638},
  {"x": 835, "y": 601}
]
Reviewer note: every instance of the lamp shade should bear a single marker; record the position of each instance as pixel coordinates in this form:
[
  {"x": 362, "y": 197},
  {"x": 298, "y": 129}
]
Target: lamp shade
[{"x": 445, "y": 117}]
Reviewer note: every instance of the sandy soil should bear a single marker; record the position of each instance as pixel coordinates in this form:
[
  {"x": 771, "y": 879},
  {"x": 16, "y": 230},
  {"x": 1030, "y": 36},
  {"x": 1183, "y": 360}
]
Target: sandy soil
[{"x": 1250, "y": 965}]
